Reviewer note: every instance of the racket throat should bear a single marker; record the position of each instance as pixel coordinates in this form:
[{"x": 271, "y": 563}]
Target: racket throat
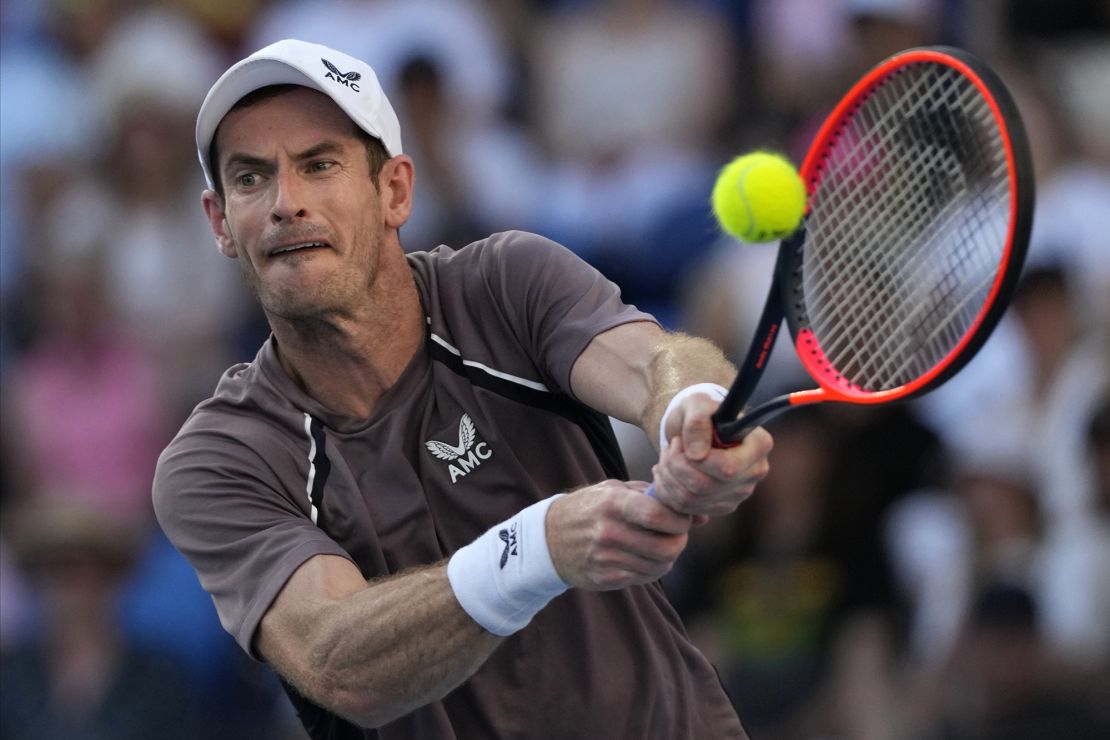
[{"x": 732, "y": 433}]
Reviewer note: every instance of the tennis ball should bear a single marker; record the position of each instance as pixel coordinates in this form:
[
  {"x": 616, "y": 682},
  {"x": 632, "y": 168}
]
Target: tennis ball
[{"x": 759, "y": 197}]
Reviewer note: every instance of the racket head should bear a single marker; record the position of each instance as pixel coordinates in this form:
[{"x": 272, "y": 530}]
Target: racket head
[{"x": 920, "y": 200}]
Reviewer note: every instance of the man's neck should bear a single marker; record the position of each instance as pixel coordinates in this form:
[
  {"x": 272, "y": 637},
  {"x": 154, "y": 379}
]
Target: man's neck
[{"x": 348, "y": 362}]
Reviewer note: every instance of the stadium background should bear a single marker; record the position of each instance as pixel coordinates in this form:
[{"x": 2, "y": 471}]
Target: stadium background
[{"x": 940, "y": 570}]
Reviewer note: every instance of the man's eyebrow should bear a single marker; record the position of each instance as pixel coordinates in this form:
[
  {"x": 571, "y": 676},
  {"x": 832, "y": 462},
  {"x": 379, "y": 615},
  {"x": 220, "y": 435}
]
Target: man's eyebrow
[
  {"x": 245, "y": 160},
  {"x": 324, "y": 147},
  {"x": 239, "y": 159}
]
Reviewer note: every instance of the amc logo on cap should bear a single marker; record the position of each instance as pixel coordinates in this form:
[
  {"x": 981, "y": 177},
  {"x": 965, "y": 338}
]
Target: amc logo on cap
[{"x": 347, "y": 79}]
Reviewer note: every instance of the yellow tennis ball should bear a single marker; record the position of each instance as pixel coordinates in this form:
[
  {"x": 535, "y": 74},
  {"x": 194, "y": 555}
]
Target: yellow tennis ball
[{"x": 759, "y": 197}]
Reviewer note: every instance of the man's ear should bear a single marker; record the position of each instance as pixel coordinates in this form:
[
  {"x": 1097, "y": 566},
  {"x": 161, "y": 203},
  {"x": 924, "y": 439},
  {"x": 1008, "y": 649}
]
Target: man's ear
[
  {"x": 217, "y": 219},
  {"x": 396, "y": 187}
]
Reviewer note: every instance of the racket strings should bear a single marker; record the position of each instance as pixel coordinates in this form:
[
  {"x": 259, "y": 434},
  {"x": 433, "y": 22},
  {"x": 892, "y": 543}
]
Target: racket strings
[
  {"x": 906, "y": 228},
  {"x": 892, "y": 219},
  {"x": 848, "y": 185},
  {"x": 914, "y": 352}
]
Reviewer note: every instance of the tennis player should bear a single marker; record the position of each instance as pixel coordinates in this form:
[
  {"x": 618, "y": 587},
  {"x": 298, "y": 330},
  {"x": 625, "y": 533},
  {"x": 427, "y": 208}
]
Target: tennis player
[{"x": 411, "y": 504}]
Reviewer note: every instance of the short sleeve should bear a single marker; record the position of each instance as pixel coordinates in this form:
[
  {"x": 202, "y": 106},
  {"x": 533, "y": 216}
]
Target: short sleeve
[
  {"x": 556, "y": 301},
  {"x": 222, "y": 504}
]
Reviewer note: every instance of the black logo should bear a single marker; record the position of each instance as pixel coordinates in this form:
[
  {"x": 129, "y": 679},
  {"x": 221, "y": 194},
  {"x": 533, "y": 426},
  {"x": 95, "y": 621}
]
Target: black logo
[
  {"x": 508, "y": 536},
  {"x": 347, "y": 79}
]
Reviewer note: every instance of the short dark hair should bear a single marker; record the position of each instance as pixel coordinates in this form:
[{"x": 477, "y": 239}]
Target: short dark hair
[{"x": 376, "y": 154}]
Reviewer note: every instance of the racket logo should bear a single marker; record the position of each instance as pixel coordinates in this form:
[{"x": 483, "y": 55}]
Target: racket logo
[
  {"x": 464, "y": 456},
  {"x": 768, "y": 345}
]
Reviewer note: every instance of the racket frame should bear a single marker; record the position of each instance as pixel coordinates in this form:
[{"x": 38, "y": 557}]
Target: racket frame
[{"x": 786, "y": 297}]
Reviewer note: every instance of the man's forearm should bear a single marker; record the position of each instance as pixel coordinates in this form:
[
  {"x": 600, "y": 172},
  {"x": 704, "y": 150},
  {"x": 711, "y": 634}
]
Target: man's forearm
[
  {"x": 679, "y": 361},
  {"x": 383, "y": 651}
]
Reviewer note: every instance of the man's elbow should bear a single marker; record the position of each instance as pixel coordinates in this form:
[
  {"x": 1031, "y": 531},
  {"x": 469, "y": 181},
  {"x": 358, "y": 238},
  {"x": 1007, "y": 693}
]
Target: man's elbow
[
  {"x": 349, "y": 692},
  {"x": 358, "y": 706}
]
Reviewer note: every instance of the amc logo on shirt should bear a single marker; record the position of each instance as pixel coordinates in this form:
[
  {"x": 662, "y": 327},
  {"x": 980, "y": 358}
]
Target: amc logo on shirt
[{"x": 464, "y": 456}]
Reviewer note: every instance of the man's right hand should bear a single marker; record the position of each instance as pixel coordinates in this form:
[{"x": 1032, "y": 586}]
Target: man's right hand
[{"x": 610, "y": 535}]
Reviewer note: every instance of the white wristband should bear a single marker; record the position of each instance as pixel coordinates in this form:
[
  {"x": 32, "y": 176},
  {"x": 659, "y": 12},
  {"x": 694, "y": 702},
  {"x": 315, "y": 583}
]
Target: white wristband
[
  {"x": 714, "y": 391},
  {"x": 503, "y": 578}
]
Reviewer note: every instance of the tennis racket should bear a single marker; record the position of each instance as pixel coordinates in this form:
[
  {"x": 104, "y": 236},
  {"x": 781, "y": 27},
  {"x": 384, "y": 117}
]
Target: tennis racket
[{"x": 919, "y": 205}]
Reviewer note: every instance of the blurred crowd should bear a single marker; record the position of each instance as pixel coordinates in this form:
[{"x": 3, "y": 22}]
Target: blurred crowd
[{"x": 939, "y": 570}]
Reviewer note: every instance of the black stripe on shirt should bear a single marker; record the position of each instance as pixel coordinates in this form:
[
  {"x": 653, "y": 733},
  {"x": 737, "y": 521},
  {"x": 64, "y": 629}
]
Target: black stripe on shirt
[{"x": 321, "y": 464}]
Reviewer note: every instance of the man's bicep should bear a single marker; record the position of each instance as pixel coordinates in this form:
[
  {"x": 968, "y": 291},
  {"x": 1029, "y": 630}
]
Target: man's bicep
[
  {"x": 614, "y": 373},
  {"x": 319, "y": 582}
]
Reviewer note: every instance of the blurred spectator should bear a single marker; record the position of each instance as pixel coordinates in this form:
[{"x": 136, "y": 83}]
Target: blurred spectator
[
  {"x": 1071, "y": 145},
  {"x": 84, "y": 407},
  {"x": 1007, "y": 524},
  {"x": 630, "y": 100},
  {"x": 946, "y": 549},
  {"x": 928, "y": 539},
  {"x": 1004, "y": 685},
  {"x": 79, "y": 677},
  {"x": 1086, "y": 569},
  {"x": 801, "y": 50},
  {"x": 225, "y": 23},
  {"x": 45, "y": 128},
  {"x": 1035, "y": 396},
  {"x": 811, "y": 51},
  {"x": 476, "y": 173},
  {"x": 1098, "y": 447},
  {"x": 616, "y": 76},
  {"x": 885, "y": 27},
  {"x": 880, "y": 456},
  {"x": 14, "y": 600},
  {"x": 126, "y": 315},
  {"x": 140, "y": 213},
  {"x": 1068, "y": 376}
]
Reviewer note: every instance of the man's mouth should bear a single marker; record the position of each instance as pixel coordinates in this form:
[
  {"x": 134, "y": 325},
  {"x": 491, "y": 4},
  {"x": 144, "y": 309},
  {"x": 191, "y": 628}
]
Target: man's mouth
[{"x": 299, "y": 246}]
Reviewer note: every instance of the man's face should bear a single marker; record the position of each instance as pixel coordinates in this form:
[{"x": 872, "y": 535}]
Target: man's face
[{"x": 301, "y": 212}]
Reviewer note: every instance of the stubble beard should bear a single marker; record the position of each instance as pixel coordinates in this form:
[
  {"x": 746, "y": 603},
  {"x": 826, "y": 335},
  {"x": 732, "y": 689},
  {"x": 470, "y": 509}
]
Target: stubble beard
[{"x": 333, "y": 295}]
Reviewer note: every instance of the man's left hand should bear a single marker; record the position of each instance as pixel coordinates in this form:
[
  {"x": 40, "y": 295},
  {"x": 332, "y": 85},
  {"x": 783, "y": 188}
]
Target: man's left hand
[{"x": 694, "y": 477}]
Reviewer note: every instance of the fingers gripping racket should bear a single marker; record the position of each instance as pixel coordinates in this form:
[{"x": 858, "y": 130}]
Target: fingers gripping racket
[{"x": 919, "y": 205}]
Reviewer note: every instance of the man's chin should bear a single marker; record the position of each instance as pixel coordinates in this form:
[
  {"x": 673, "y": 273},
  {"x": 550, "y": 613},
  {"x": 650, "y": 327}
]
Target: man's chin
[{"x": 297, "y": 310}]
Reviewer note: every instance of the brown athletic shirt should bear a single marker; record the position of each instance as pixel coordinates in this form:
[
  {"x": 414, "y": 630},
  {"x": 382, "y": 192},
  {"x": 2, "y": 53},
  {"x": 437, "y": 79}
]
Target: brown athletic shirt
[{"x": 481, "y": 424}]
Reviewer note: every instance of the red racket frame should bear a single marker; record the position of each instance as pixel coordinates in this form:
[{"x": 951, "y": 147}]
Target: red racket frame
[{"x": 782, "y": 299}]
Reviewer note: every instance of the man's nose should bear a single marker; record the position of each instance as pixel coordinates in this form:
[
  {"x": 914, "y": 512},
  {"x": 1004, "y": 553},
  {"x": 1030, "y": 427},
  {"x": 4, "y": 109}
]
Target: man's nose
[{"x": 288, "y": 198}]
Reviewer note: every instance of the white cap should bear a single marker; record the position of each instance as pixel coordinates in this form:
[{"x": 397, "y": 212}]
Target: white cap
[{"x": 351, "y": 83}]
